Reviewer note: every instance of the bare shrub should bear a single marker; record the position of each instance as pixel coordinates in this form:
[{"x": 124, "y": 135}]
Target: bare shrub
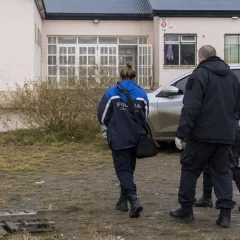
[{"x": 67, "y": 108}]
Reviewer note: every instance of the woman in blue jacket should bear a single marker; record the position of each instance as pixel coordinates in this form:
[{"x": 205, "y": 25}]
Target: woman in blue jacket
[{"x": 123, "y": 133}]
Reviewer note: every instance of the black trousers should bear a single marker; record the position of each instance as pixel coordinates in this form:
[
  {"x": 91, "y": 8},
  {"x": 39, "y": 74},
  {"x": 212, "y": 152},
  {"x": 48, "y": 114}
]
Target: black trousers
[
  {"x": 124, "y": 163},
  {"x": 234, "y": 170},
  {"x": 194, "y": 158}
]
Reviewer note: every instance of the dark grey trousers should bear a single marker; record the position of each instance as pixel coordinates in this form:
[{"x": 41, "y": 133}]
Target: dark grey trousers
[{"x": 193, "y": 160}]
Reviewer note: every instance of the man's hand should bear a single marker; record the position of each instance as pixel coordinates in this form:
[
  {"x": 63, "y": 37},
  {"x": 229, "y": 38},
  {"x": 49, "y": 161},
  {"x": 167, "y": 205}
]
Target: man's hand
[{"x": 178, "y": 143}]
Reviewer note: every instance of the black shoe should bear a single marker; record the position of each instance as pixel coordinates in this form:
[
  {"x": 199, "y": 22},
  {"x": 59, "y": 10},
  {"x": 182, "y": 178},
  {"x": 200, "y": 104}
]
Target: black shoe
[
  {"x": 224, "y": 218},
  {"x": 183, "y": 214},
  {"x": 122, "y": 203},
  {"x": 136, "y": 206},
  {"x": 239, "y": 209},
  {"x": 204, "y": 202}
]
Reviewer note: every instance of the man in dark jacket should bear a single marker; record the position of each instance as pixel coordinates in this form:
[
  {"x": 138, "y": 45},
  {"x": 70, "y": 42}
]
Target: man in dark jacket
[{"x": 207, "y": 122}]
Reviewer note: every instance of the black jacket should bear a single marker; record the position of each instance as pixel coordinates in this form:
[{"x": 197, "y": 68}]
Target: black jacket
[
  {"x": 211, "y": 102},
  {"x": 122, "y": 129}
]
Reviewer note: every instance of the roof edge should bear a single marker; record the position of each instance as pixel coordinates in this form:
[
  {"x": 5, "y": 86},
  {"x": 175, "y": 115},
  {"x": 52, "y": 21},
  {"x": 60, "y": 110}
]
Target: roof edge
[
  {"x": 41, "y": 8},
  {"x": 84, "y": 16},
  {"x": 195, "y": 13}
]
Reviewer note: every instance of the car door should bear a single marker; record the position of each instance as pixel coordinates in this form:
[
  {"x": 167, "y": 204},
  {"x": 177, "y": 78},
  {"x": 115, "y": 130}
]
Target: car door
[
  {"x": 169, "y": 109},
  {"x": 237, "y": 73}
]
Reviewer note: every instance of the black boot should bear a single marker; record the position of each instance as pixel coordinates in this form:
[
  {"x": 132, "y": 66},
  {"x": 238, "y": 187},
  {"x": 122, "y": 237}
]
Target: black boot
[
  {"x": 136, "y": 206},
  {"x": 224, "y": 218},
  {"x": 183, "y": 214},
  {"x": 204, "y": 202},
  {"x": 122, "y": 204}
]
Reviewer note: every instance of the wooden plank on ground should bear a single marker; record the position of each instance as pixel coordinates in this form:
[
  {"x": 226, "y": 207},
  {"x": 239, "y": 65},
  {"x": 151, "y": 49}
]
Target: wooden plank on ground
[
  {"x": 11, "y": 226},
  {"x": 3, "y": 231},
  {"x": 14, "y": 212},
  {"x": 29, "y": 215},
  {"x": 30, "y": 211},
  {"x": 47, "y": 223},
  {"x": 17, "y": 217}
]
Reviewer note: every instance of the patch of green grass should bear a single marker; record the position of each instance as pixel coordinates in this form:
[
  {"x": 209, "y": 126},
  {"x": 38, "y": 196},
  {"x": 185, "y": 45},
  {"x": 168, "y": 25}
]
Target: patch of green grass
[{"x": 39, "y": 136}]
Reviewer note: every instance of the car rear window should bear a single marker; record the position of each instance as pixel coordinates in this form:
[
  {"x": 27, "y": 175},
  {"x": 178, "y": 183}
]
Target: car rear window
[{"x": 237, "y": 73}]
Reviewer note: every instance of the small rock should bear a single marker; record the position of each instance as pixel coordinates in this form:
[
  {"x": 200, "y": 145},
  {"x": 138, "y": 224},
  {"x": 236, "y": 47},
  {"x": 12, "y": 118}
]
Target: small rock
[{"x": 39, "y": 182}]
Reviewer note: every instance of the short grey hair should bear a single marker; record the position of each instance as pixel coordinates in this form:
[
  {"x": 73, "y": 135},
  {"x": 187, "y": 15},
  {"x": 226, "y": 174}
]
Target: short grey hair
[{"x": 207, "y": 51}]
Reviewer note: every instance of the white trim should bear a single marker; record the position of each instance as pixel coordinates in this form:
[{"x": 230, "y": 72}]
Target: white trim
[
  {"x": 108, "y": 55},
  {"x": 188, "y": 41},
  {"x": 146, "y": 105},
  {"x": 106, "y": 108},
  {"x": 145, "y": 65},
  {"x": 87, "y": 55}
]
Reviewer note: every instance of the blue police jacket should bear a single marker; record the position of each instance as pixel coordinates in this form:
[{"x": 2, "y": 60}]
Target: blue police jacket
[{"x": 123, "y": 131}]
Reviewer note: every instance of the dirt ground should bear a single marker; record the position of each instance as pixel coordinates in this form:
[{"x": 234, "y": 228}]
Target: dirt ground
[{"x": 81, "y": 186}]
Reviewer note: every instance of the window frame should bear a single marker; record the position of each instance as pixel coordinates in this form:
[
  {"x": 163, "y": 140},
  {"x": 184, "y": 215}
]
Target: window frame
[
  {"x": 225, "y": 47},
  {"x": 179, "y": 43},
  {"x": 52, "y": 40}
]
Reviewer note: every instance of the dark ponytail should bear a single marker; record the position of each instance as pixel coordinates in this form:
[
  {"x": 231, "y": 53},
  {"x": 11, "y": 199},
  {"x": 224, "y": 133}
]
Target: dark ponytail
[{"x": 128, "y": 72}]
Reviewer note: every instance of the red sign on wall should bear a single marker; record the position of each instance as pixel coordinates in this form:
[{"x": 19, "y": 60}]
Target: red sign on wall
[{"x": 164, "y": 25}]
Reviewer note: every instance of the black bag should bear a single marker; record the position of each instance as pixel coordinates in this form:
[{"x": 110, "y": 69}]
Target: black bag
[{"x": 146, "y": 146}]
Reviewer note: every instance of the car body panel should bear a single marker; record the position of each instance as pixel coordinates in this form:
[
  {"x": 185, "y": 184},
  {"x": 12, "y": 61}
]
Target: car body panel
[{"x": 164, "y": 112}]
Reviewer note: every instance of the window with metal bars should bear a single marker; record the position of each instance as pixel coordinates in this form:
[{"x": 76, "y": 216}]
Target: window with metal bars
[
  {"x": 232, "y": 48},
  {"x": 180, "y": 49}
]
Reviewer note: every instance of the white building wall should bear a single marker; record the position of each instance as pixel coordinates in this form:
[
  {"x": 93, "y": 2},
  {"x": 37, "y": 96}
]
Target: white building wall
[
  {"x": 16, "y": 42},
  {"x": 88, "y": 28},
  {"x": 38, "y": 48},
  {"x": 210, "y": 31}
]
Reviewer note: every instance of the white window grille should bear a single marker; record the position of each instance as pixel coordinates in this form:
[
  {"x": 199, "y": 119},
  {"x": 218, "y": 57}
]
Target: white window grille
[
  {"x": 85, "y": 57},
  {"x": 145, "y": 66}
]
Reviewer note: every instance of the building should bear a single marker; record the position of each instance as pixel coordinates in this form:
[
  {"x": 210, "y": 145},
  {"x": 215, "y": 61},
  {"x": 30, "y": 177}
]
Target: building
[
  {"x": 21, "y": 40},
  {"x": 86, "y": 32},
  {"x": 53, "y": 39},
  {"x": 181, "y": 27}
]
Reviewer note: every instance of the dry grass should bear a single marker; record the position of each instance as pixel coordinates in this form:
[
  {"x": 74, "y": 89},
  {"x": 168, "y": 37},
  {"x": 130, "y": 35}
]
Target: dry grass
[
  {"x": 22, "y": 166},
  {"x": 92, "y": 236},
  {"x": 215, "y": 236},
  {"x": 102, "y": 236},
  {"x": 81, "y": 186},
  {"x": 28, "y": 237}
]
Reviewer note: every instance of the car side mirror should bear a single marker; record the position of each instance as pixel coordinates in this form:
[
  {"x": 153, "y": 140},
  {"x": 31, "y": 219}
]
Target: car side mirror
[{"x": 168, "y": 92}]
